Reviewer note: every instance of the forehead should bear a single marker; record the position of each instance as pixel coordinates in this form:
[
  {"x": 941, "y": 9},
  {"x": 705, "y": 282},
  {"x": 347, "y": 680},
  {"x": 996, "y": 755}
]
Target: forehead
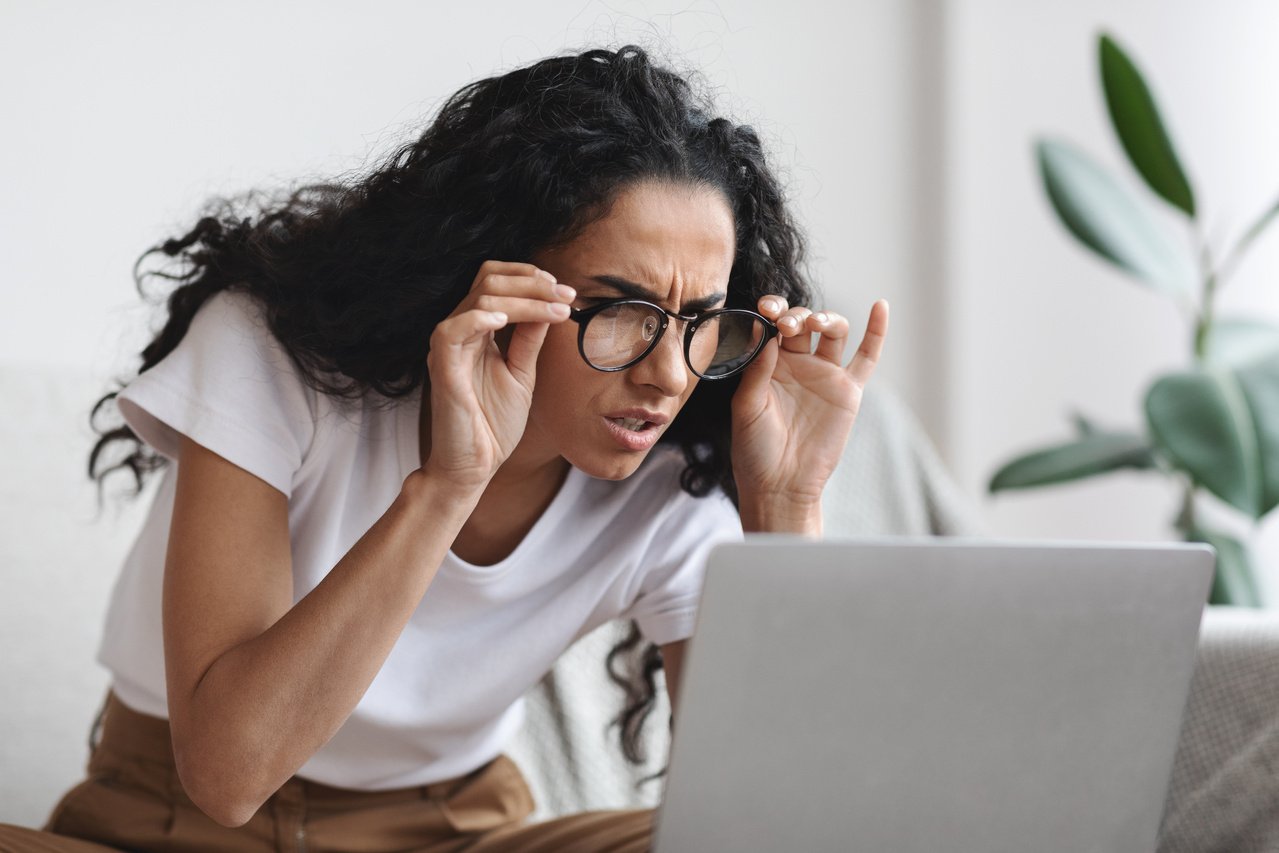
[{"x": 674, "y": 239}]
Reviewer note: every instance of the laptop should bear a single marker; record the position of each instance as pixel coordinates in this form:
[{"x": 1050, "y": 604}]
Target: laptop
[{"x": 903, "y": 695}]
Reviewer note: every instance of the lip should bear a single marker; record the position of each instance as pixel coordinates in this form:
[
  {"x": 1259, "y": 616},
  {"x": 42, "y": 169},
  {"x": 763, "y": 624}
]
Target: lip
[
  {"x": 635, "y": 441},
  {"x": 640, "y": 414}
]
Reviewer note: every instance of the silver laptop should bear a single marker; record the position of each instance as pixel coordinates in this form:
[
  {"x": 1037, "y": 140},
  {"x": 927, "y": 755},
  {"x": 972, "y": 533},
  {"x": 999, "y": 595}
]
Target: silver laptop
[{"x": 960, "y": 695}]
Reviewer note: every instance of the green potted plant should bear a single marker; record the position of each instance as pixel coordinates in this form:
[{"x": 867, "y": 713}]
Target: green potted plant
[{"x": 1213, "y": 425}]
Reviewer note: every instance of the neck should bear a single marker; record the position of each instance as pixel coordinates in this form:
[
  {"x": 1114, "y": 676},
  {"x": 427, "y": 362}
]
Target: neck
[
  {"x": 514, "y": 499},
  {"x": 511, "y": 504},
  {"x": 521, "y": 478}
]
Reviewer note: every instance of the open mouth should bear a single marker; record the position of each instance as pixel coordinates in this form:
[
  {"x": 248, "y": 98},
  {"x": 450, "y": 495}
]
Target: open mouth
[
  {"x": 634, "y": 431},
  {"x": 633, "y": 424}
]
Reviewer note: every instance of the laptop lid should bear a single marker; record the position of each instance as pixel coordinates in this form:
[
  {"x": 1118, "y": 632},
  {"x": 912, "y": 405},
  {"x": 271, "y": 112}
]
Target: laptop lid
[{"x": 933, "y": 694}]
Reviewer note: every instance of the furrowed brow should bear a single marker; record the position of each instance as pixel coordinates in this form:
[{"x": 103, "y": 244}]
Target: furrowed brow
[{"x": 639, "y": 291}]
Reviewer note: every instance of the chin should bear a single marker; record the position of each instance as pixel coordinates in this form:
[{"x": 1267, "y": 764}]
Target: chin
[{"x": 608, "y": 467}]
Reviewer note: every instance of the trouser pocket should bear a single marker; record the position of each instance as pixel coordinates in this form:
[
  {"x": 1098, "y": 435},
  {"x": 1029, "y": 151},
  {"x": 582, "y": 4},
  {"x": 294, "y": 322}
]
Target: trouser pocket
[{"x": 116, "y": 809}]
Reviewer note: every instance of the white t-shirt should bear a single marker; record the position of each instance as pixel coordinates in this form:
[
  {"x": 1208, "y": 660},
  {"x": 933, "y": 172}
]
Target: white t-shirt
[{"x": 449, "y": 694}]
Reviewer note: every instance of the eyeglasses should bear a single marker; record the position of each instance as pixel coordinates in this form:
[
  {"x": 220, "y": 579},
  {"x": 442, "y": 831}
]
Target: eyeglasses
[{"x": 616, "y": 334}]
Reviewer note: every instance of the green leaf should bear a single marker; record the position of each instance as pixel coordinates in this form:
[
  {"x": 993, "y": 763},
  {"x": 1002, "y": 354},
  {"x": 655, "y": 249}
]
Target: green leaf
[
  {"x": 1234, "y": 582},
  {"x": 1237, "y": 341},
  {"x": 1221, "y": 426},
  {"x": 1259, "y": 381},
  {"x": 1141, "y": 131},
  {"x": 1106, "y": 217},
  {"x": 1095, "y": 453}
]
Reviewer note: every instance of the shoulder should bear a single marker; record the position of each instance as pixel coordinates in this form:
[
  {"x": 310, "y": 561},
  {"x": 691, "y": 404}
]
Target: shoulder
[
  {"x": 226, "y": 344},
  {"x": 233, "y": 316},
  {"x": 232, "y": 327},
  {"x": 229, "y": 386}
]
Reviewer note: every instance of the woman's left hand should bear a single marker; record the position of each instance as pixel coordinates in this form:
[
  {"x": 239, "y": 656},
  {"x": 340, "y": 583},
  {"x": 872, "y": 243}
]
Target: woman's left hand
[{"x": 794, "y": 411}]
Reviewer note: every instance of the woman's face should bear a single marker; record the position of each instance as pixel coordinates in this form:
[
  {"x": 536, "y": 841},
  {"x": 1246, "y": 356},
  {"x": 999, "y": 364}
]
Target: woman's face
[{"x": 671, "y": 244}]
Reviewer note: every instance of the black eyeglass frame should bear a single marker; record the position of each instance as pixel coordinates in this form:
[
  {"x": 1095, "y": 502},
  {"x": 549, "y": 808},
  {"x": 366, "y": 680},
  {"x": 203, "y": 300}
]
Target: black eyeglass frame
[{"x": 692, "y": 322}]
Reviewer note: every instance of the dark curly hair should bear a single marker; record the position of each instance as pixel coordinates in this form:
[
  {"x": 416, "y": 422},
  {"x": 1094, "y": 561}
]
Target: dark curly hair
[{"x": 355, "y": 274}]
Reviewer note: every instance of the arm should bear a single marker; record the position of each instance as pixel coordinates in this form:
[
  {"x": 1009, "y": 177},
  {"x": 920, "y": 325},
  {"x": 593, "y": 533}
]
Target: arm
[
  {"x": 255, "y": 684},
  {"x": 793, "y": 414}
]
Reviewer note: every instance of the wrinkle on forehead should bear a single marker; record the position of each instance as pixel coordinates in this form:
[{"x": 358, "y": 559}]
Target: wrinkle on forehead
[
  {"x": 678, "y": 240},
  {"x": 635, "y": 290}
]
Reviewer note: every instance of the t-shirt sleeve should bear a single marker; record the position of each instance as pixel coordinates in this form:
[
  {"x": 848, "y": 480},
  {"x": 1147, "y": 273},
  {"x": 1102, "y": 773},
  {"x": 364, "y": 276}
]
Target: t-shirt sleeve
[
  {"x": 231, "y": 387},
  {"x": 666, "y": 608}
]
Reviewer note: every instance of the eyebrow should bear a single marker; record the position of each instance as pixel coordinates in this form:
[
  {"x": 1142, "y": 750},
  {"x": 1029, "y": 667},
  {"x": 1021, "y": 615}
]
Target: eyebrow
[{"x": 639, "y": 291}]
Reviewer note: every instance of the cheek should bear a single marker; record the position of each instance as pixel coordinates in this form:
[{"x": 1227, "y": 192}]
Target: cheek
[
  {"x": 563, "y": 379},
  {"x": 559, "y": 359}
]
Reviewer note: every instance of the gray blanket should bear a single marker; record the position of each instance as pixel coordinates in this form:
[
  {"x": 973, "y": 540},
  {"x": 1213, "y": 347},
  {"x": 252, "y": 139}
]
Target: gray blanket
[{"x": 1224, "y": 796}]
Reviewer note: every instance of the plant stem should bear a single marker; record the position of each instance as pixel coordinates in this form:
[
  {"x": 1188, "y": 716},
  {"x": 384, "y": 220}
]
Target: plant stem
[
  {"x": 1203, "y": 327},
  {"x": 1186, "y": 519}
]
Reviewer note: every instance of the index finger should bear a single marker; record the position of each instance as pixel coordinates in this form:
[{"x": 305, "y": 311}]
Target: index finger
[
  {"x": 495, "y": 267},
  {"x": 872, "y": 345}
]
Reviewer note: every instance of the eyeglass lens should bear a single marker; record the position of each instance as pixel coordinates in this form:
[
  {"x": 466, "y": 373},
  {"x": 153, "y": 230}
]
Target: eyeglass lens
[{"x": 721, "y": 343}]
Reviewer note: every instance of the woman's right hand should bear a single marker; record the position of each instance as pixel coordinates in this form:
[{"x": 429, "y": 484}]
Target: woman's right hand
[{"x": 480, "y": 397}]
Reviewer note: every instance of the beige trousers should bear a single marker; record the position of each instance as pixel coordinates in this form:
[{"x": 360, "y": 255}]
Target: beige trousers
[{"x": 132, "y": 801}]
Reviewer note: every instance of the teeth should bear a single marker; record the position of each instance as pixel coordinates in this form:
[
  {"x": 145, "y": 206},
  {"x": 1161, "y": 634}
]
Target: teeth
[{"x": 632, "y": 424}]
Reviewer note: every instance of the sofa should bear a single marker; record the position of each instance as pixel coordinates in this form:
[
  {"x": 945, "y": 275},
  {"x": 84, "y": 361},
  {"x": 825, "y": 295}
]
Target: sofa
[{"x": 60, "y": 552}]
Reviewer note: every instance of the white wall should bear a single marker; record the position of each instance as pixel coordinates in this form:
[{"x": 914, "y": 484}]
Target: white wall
[
  {"x": 125, "y": 116},
  {"x": 904, "y": 129},
  {"x": 1036, "y": 325}
]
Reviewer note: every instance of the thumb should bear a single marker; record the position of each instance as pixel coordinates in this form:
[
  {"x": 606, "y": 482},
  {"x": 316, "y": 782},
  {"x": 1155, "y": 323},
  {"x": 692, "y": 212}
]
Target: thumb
[
  {"x": 526, "y": 343},
  {"x": 752, "y": 393}
]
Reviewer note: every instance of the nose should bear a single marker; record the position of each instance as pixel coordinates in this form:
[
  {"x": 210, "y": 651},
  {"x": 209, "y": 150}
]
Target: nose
[{"x": 664, "y": 368}]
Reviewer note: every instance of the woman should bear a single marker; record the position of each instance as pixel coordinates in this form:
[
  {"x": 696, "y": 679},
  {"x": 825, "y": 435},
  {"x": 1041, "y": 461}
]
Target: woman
[{"x": 430, "y": 428}]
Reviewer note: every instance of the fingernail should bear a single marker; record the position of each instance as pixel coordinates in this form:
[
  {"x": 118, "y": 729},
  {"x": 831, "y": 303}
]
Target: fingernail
[
  {"x": 548, "y": 275},
  {"x": 772, "y": 305},
  {"x": 563, "y": 291},
  {"x": 559, "y": 309},
  {"x": 789, "y": 321},
  {"x": 822, "y": 318}
]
